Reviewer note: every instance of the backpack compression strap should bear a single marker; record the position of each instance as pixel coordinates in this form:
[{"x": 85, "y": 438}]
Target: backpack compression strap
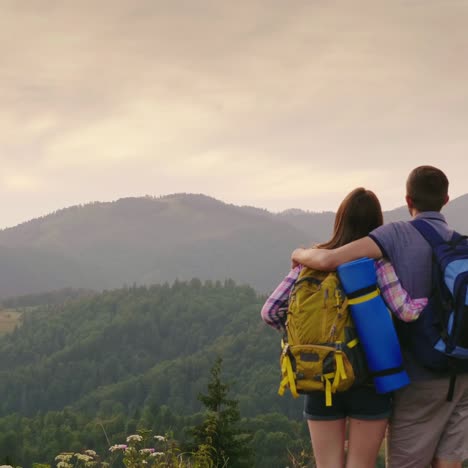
[{"x": 287, "y": 371}]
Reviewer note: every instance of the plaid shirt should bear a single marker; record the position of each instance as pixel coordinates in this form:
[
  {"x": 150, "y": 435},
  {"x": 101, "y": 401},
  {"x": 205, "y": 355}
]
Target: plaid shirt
[{"x": 397, "y": 299}]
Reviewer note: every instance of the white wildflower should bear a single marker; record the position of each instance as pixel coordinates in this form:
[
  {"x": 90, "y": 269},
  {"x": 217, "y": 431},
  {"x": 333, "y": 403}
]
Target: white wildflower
[
  {"x": 6, "y": 466},
  {"x": 91, "y": 453},
  {"x": 160, "y": 438},
  {"x": 117, "y": 447},
  {"x": 134, "y": 438},
  {"x": 66, "y": 456},
  {"x": 157, "y": 454},
  {"x": 83, "y": 457},
  {"x": 63, "y": 464},
  {"x": 147, "y": 450}
]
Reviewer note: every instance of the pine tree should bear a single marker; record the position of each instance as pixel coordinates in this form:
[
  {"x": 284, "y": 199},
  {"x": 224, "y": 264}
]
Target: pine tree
[{"x": 220, "y": 429}]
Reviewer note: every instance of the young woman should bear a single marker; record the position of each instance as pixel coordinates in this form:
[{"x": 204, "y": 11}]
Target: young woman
[{"x": 365, "y": 411}]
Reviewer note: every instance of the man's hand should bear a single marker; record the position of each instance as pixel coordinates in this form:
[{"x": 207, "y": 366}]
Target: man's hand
[
  {"x": 294, "y": 256},
  {"x": 313, "y": 258}
]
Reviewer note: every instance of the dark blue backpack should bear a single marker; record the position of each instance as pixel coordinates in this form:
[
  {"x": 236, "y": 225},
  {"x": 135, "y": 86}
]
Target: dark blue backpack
[{"x": 438, "y": 339}]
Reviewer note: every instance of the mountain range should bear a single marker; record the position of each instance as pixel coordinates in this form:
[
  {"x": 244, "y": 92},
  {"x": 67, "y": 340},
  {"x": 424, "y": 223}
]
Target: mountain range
[{"x": 146, "y": 240}]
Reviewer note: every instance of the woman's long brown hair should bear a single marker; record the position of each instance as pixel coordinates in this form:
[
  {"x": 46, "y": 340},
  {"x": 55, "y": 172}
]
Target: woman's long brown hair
[{"x": 358, "y": 214}]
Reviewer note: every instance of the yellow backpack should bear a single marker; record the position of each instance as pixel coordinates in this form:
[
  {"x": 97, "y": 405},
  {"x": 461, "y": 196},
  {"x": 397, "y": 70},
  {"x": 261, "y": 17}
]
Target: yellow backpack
[{"x": 321, "y": 350}]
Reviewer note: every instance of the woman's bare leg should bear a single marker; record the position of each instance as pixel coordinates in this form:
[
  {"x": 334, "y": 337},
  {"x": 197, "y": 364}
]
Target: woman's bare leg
[
  {"x": 328, "y": 438},
  {"x": 364, "y": 441}
]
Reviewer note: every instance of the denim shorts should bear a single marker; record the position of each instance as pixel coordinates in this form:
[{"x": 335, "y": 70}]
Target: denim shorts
[{"x": 361, "y": 402}]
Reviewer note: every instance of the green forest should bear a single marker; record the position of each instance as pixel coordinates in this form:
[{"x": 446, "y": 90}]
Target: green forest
[{"x": 94, "y": 368}]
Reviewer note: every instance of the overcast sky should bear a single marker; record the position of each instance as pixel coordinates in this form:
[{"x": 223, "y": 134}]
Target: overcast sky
[{"x": 275, "y": 104}]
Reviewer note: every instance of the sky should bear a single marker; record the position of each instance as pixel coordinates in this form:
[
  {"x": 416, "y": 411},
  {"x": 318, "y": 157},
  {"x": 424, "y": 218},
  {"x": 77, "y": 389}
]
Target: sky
[{"x": 270, "y": 103}]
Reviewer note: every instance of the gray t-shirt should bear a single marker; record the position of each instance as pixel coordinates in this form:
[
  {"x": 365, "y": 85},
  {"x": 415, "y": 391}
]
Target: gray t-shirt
[{"x": 411, "y": 257}]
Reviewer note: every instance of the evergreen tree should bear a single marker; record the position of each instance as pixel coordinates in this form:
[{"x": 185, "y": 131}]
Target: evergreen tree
[{"x": 220, "y": 428}]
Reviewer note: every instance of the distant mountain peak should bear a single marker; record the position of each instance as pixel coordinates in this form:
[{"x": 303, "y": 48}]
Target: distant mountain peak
[
  {"x": 292, "y": 212},
  {"x": 190, "y": 196},
  {"x": 300, "y": 212}
]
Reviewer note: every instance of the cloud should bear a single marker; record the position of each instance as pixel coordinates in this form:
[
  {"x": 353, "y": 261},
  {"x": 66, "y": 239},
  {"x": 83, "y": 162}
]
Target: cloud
[{"x": 20, "y": 183}]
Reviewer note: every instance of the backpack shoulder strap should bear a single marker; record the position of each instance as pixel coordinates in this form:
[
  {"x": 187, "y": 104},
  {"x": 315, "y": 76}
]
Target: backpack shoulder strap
[
  {"x": 458, "y": 238},
  {"x": 428, "y": 232},
  {"x": 308, "y": 275}
]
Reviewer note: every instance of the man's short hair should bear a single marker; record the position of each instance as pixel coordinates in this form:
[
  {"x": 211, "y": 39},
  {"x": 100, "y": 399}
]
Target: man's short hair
[{"x": 427, "y": 186}]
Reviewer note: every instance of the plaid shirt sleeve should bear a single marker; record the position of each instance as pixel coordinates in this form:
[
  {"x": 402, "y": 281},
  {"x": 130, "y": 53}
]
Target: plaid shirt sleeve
[
  {"x": 274, "y": 310},
  {"x": 396, "y": 298}
]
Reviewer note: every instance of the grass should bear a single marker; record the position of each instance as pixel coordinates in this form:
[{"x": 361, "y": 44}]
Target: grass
[{"x": 9, "y": 319}]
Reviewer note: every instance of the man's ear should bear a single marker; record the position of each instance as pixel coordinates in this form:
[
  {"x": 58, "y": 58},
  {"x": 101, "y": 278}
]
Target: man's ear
[
  {"x": 410, "y": 205},
  {"x": 447, "y": 198},
  {"x": 409, "y": 202}
]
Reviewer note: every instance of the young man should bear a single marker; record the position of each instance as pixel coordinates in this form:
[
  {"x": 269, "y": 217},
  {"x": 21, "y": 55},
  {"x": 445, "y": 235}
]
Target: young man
[{"x": 426, "y": 429}]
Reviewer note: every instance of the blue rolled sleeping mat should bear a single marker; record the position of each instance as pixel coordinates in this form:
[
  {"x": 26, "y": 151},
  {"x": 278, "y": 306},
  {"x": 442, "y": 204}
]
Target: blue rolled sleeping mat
[{"x": 373, "y": 324}]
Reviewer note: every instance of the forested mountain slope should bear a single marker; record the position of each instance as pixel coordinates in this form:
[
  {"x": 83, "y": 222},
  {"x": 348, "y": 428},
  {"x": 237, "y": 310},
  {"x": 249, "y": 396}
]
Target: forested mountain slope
[
  {"x": 152, "y": 240},
  {"x": 146, "y": 241},
  {"x": 133, "y": 357}
]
